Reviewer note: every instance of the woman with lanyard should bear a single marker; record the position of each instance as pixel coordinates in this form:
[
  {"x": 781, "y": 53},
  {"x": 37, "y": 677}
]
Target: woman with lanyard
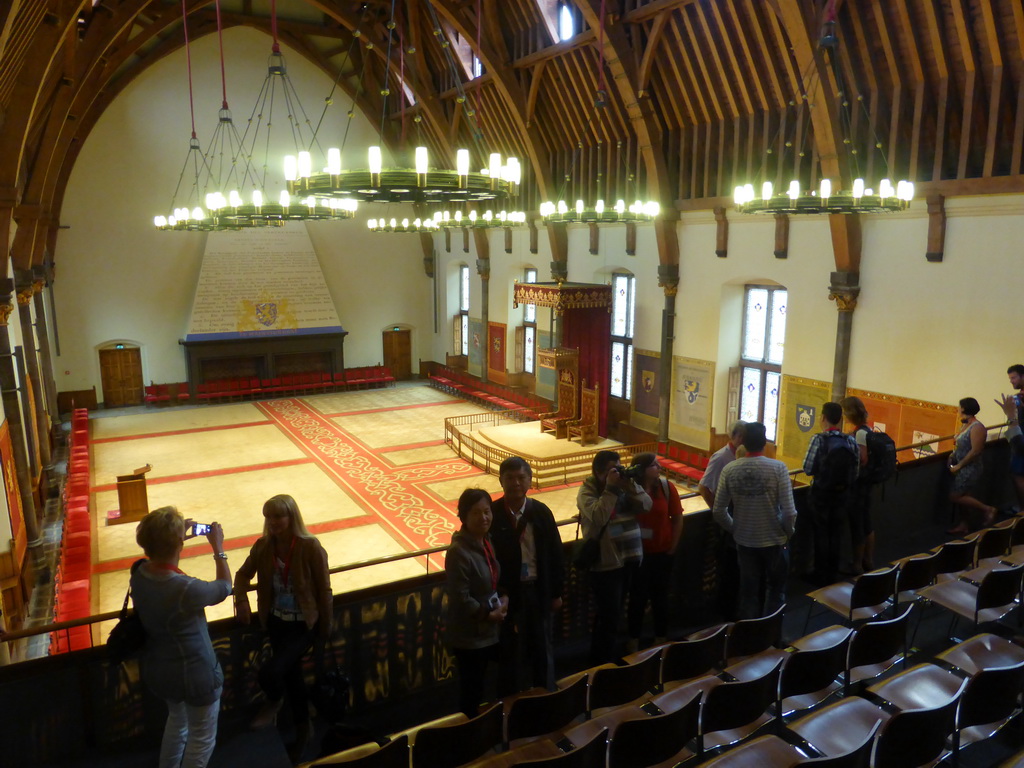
[
  {"x": 475, "y": 610},
  {"x": 293, "y": 600},
  {"x": 178, "y": 662}
]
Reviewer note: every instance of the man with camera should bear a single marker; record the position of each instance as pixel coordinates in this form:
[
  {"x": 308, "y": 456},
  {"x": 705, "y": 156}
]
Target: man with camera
[
  {"x": 528, "y": 547},
  {"x": 608, "y": 501}
]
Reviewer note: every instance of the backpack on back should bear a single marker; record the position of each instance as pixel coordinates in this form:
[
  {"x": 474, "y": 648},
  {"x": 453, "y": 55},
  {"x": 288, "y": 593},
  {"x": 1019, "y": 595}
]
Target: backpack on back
[
  {"x": 837, "y": 468},
  {"x": 881, "y": 458}
]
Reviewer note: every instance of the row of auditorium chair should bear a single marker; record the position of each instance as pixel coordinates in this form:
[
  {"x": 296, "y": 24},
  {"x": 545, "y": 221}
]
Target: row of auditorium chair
[
  {"x": 728, "y": 696},
  {"x": 246, "y": 387},
  {"x": 687, "y": 465},
  {"x": 72, "y": 588},
  {"x": 486, "y": 393}
]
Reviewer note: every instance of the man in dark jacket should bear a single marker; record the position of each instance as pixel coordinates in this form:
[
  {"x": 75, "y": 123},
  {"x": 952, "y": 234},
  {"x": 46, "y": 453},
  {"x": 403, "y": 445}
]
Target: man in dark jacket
[{"x": 529, "y": 548}]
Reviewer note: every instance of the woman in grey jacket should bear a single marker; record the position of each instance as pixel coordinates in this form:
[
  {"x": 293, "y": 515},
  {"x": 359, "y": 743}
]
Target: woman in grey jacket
[
  {"x": 178, "y": 662},
  {"x": 475, "y": 610}
]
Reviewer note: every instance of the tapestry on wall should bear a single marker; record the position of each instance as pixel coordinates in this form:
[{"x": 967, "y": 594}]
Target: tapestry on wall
[
  {"x": 692, "y": 397},
  {"x": 496, "y": 347},
  {"x": 476, "y": 347},
  {"x": 799, "y": 417},
  {"x": 261, "y": 282},
  {"x": 909, "y": 421},
  {"x": 10, "y": 477},
  {"x": 644, "y": 405}
]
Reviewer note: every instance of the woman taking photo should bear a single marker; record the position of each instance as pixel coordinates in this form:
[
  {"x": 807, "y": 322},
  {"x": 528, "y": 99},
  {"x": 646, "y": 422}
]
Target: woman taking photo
[
  {"x": 475, "y": 611},
  {"x": 967, "y": 467},
  {"x": 660, "y": 528},
  {"x": 177, "y": 661},
  {"x": 293, "y": 601}
]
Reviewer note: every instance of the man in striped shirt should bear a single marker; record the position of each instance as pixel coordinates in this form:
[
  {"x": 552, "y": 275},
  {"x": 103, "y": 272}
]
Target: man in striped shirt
[{"x": 761, "y": 522}]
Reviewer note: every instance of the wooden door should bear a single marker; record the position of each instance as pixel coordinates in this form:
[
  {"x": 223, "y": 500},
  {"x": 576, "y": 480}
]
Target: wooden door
[
  {"x": 398, "y": 353},
  {"x": 121, "y": 376}
]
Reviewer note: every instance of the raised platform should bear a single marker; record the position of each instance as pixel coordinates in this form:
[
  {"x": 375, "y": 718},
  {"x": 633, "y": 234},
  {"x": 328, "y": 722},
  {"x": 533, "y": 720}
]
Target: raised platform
[{"x": 526, "y": 440}]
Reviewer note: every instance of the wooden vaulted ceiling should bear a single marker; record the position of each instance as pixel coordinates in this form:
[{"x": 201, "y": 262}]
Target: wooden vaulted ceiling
[{"x": 697, "y": 95}]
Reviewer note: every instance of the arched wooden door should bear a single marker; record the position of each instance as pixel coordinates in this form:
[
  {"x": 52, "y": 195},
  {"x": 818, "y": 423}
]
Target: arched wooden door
[
  {"x": 121, "y": 376},
  {"x": 398, "y": 353}
]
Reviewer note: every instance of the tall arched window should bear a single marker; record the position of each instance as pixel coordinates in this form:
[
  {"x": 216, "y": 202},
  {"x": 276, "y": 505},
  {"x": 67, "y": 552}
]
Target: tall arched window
[
  {"x": 623, "y": 314},
  {"x": 528, "y": 351},
  {"x": 761, "y": 350},
  {"x": 461, "y": 321}
]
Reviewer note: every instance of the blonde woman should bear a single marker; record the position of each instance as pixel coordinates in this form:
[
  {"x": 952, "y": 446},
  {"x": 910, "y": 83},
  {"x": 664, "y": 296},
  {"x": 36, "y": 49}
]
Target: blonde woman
[
  {"x": 293, "y": 601},
  {"x": 178, "y": 662}
]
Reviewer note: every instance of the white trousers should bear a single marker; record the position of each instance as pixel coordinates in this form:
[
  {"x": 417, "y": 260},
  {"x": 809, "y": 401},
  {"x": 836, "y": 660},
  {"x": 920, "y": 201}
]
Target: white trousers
[{"x": 190, "y": 735}]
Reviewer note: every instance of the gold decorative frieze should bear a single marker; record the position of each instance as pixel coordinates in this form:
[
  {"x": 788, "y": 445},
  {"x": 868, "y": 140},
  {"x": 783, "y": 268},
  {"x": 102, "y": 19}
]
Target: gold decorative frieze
[{"x": 562, "y": 296}]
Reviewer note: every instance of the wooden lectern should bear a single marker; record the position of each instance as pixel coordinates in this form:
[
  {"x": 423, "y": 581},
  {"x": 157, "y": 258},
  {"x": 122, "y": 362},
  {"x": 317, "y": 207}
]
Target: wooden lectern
[{"x": 132, "y": 500}]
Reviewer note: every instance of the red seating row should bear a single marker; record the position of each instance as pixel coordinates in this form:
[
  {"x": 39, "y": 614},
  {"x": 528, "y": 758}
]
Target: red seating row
[
  {"x": 685, "y": 464},
  {"x": 72, "y": 595},
  {"x": 288, "y": 384},
  {"x": 167, "y": 393},
  {"x": 461, "y": 384}
]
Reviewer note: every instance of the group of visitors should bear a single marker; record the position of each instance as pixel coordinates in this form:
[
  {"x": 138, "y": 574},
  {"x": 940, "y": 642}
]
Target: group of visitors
[
  {"x": 505, "y": 570},
  {"x": 293, "y": 602}
]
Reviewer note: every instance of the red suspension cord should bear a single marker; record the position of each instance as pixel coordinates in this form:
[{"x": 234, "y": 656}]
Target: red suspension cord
[
  {"x": 273, "y": 26},
  {"x": 220, "y": 41},
  {"x": 188, "y": 60}
]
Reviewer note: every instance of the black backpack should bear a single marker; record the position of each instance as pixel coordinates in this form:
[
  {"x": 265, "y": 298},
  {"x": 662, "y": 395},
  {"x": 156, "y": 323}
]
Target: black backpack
[
  {"x": 837, "y": 465},
  {"x": 881, "y": 458}
]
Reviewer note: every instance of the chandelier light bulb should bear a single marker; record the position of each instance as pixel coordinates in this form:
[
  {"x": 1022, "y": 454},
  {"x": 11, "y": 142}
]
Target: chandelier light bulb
[
  {"x": 620, "y": 207},
  {"x": 488, "y": 216},
  {"x": 885, "y": 189},
  {"x": 405, "y": 223},
  {"x": 291, "y": 168},
  {"x": 160, "y": 221},
  {"x": 284, "y": 199},
  {"x": 472, "y": 217},
  {"x": 257, "y": 198},
  {"x": 458, "y": 217},
  {"x": 305, "y": 165},
  {"x": 394, "y": 223},
  {"x": 334, "y": 161},
  {"x": 375, "y": 159},
  {"x": 579, "y": 207},
  {"x": 371, "y": 223},
  {"x": 652, "y": 208},
  {"x": 494, "y": 163},
  {"x": 766, "y": 191},
  {"x": 599, "y": 207},
  {"x": 794, "y": 189},
  {"x": 462, "y": 162},
  {"x": 826, "y": 189},
  {"x": 422, "y": 160},
  {"x": 234, "y": 199},
  {"x": 858, "y": 188},
  {"x": 197, "y": 213},
  {"x": 171, "y": 221},
  {"x": 447, "y": 216}
]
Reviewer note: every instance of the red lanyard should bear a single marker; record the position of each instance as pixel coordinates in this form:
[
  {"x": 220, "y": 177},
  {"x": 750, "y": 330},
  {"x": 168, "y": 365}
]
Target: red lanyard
[
  {"x": 492, "y": 563},
  {"x": 287, "y": 563},
  {"x": 166, "y": 567}
]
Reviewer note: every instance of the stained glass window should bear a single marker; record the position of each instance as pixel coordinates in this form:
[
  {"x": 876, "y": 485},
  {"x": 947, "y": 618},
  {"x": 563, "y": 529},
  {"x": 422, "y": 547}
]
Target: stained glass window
[
  {"x": 623, "y": 320},
  {"x": 465, "y": 335},
  {"x": 763, "y": 344},
  {"x": 464, "y": 288},
  {"x": 530, "y": 311},
  {"x": 530, "y": 349}
]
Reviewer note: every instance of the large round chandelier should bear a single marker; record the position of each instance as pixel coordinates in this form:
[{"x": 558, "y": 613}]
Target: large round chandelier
[
  {"x": 581, "y": 213},
  {"x": 420, "y": 184},
  {"x": 446, "y": 220},
  {"x": 795, "y": 200}
]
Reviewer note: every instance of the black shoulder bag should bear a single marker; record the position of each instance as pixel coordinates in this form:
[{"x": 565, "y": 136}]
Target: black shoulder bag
[{"x": 128, "y": 635}]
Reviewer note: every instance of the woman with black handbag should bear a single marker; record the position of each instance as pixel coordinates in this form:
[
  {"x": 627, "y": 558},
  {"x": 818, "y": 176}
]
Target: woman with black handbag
[{"x": 178, "y": 663}]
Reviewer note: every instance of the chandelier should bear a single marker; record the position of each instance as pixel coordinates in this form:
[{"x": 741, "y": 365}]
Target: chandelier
[
  {"x": 230, "y": 211},
  {"x": 445, "y": 220},
  {"x": 794, "y": 200},
  {"x": 598, "y": 213},
  {"x": 421, "y": 183},
  {"x": 857, "y": 198}
]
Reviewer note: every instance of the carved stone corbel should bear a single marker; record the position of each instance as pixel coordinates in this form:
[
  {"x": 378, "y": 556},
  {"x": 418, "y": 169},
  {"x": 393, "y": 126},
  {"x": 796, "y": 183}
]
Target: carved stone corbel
[
  {"x": 631, "y": 238},
  {"x": 936, "y": 227},
  {"x": 559, "y": 271},
  {"x": 532, "y": 224},
  {"x": 668, "y": 278},
  {"x": 595, "y": 239},
  {"x": 722, "y": 235},
  {"x": 508, "y": 239},
  {"x": 844, "y": 290}
]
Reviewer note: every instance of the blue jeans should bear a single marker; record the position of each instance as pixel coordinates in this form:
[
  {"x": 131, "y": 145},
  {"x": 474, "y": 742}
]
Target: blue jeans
[
  {"x": 763, "y": 571},
  {"x": 189, "y": 735}
]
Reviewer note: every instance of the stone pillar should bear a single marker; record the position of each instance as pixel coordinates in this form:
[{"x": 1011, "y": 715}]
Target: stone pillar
[
  {"x": 40, "y": 432},
  {"x": 43, "y": 339},
  {"x": 12, "y": 411},
  {"x": 844, "y": 290},
  {"x": 483, "y": 268},
  {"x": 668, "y": 279}
]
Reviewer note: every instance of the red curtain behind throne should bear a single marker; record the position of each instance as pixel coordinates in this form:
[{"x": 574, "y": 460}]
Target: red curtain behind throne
[{"x": 590, "y": 331}]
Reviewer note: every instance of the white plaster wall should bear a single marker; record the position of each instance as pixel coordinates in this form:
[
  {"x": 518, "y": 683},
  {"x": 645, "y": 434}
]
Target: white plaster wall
[{"x": 119, "y": 278}]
